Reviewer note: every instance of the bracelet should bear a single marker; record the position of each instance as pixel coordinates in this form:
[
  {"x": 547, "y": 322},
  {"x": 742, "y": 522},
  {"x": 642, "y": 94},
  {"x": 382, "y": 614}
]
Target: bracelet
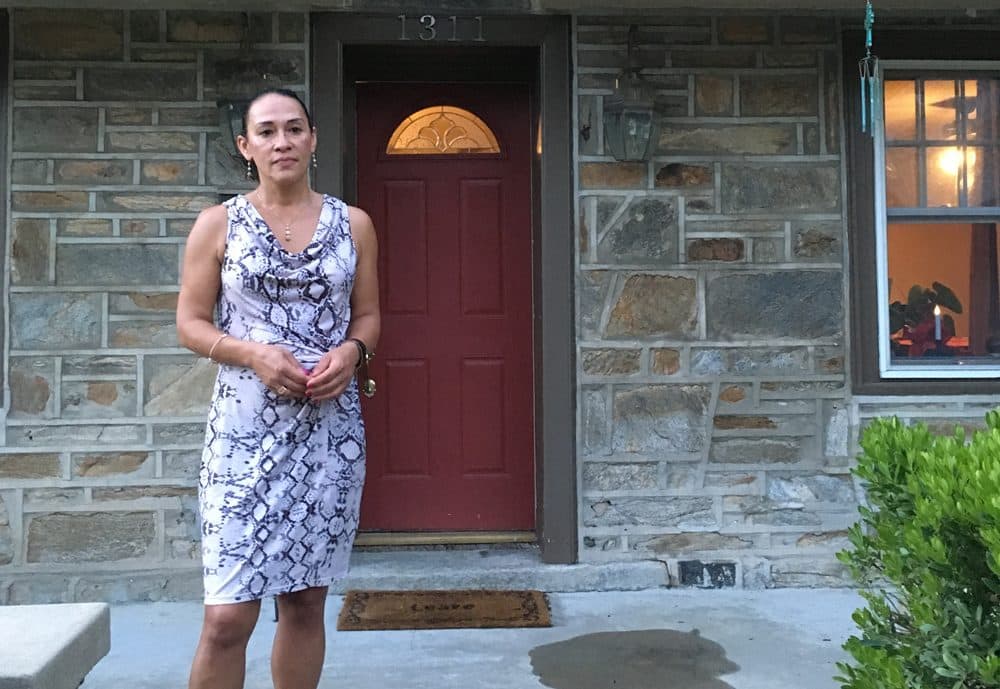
[
  {"x": 215, "y": 344},
  {"x": 362, "y": 351}
]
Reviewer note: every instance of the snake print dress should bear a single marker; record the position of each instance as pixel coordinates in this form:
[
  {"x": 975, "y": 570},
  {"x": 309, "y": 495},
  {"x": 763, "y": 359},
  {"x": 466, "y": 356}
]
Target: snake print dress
[{"x": 281, "y": 478}]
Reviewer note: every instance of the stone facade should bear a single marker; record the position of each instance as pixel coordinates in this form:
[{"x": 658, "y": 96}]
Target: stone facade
[
  {"x": 115, "y": 149},
  {"x": 715, "y": 419},
  {"x": 713, "y": 396}
]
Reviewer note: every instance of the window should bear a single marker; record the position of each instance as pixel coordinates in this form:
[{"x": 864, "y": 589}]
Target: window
[
  {"x": 442, "y": 129},
  {"x": 937, "y": 154},
  {"x": 924, "y": 214}
]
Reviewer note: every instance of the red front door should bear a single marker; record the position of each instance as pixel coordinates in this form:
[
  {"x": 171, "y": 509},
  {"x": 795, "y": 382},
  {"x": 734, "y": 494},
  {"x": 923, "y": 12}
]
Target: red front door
[{"x": 450, "y": 433}]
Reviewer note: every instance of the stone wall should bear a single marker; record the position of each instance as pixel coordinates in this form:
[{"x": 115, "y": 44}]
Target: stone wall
[
  {"x": 116, "y": 146},
  {"x": 714, "y": 428}
]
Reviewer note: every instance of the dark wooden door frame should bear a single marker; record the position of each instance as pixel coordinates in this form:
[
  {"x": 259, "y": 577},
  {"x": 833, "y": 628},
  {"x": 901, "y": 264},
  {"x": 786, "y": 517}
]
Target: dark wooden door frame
[{"x": 554, "y": 317}]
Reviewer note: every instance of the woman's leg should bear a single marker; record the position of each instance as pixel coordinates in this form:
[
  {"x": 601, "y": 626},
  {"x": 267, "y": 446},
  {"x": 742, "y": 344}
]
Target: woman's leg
[
  {"x": 220, "y": 661},
  {"x": 300, "y": 640}
]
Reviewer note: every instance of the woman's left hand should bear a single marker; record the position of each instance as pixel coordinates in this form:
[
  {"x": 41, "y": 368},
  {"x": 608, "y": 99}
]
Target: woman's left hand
[{"x": 332, "y": 373}]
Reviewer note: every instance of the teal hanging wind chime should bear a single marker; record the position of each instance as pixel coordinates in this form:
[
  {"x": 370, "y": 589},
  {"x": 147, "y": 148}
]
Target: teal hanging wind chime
[{"x": 871, "y": 89}]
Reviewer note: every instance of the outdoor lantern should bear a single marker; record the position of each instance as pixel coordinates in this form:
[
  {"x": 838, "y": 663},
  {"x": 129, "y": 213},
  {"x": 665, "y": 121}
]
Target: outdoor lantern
[{"x": 631, "y": 129}]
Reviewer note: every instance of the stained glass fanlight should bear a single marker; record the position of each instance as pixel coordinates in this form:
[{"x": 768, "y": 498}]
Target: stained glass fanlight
[{"x": 442, "y": 130}]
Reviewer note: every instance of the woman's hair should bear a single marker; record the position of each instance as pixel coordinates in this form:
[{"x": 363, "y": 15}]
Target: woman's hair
[{"x": 281, "y": 92}]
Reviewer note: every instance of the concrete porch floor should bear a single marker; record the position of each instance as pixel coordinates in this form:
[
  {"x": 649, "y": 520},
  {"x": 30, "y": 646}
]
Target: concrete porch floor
[{"x": 776, "y": 639}]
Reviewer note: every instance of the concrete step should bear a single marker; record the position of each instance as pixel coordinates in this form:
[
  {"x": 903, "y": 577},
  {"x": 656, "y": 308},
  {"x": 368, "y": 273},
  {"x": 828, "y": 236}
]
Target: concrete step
[
  {"x": 52, "y": 646},
  {"x": 493, "y": 568}
]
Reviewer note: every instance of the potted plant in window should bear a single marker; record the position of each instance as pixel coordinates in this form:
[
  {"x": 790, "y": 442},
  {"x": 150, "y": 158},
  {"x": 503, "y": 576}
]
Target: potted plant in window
[{"x": 916, "y": 330}]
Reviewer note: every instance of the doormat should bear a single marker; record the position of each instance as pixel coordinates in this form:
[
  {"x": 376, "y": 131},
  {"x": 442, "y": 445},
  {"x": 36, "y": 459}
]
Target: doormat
[{"x": 450, "y": 609}]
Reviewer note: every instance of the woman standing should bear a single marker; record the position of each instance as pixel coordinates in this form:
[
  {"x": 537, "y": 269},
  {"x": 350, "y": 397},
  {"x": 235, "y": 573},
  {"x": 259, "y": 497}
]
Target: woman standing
[{"x": 291, "y": 277}]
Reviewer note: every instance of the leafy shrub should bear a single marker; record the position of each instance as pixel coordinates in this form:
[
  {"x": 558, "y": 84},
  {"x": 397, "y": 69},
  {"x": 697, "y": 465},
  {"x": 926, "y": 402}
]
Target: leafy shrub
[{"x": 927, "y": 554}]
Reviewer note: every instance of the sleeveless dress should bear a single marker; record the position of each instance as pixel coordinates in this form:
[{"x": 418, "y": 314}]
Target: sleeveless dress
[{"x": 280, "y": 481}]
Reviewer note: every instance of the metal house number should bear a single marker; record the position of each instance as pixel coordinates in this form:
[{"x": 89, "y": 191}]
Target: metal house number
[{"x": 430, "y": 28}]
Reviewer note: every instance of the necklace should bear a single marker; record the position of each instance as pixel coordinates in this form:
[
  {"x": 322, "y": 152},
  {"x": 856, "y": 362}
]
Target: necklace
[{"x": 287, "y": 231}]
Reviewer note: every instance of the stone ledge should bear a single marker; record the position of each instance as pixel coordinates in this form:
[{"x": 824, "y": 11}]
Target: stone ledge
[
  {"x": 494, "y": 569},
  {"x": 52, "y": 646}
]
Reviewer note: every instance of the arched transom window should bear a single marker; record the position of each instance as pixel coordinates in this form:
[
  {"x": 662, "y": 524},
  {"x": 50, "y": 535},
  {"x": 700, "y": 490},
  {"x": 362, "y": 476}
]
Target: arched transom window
[{"x": 442, "y": 129}]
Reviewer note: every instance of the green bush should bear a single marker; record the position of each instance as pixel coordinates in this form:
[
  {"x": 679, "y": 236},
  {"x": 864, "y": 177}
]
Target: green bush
[{"x": 926, "y": 552}]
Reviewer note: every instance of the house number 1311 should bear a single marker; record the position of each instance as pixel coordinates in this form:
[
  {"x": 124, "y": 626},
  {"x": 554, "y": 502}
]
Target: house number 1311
[{"x": 428, "y": 28}]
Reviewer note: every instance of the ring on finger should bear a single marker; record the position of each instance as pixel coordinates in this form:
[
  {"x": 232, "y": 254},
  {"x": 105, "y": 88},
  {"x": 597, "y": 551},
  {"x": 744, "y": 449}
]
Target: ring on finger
[{"x": 283, "y": 390}]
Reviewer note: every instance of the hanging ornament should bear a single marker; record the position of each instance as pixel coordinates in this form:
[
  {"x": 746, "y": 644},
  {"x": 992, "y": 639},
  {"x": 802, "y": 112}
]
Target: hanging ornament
[{"x": 871, "y": 88}]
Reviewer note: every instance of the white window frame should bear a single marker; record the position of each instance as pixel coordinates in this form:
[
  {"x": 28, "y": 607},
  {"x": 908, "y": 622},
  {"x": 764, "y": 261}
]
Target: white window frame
[{"x": 952, "y": 369}]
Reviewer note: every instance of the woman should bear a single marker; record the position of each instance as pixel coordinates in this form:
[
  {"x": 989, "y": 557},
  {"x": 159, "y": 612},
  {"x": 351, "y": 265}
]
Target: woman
[{"x": 292, "y": 274}]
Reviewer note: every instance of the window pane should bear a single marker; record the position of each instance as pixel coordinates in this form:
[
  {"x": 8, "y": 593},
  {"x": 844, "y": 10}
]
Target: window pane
[
  {"x": 944, "y": 170},
  {"x": 952, "y": 266},
  {"x": 442, "y": 129},
  {"x": 940, "y": 110},
  {"x": 900, "y": 110},
  {"x": 901, "y": 177},
  {"x": 984, "y": 175}
]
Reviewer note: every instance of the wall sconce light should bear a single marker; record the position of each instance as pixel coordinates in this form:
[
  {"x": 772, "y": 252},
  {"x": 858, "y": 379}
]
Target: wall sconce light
[
  {"x": 631, "y": 128},
  {"x": 246, "y": 75}
]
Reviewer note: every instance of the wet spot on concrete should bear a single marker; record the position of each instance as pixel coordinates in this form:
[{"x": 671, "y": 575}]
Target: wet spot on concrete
[{"x": 638, "y": 659}]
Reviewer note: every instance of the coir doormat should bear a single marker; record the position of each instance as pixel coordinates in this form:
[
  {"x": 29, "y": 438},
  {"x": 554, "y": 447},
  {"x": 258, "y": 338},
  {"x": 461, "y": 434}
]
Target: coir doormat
[{"x": 450, "y": 609}]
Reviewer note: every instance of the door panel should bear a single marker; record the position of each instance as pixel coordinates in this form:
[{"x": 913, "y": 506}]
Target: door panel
[{"x": 450, "y": 434}]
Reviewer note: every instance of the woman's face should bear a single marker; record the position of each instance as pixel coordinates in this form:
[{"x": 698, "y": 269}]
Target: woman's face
[{"x": 278, "y": 138}]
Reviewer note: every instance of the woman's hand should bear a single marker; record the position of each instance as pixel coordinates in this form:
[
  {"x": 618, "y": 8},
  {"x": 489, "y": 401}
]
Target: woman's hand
[
  {"x": 279, "y": 370},
  {"x": 331, "y": 375}
]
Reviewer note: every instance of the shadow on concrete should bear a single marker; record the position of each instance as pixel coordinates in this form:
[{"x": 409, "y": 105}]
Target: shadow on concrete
[{"x": 639, "y": 659}]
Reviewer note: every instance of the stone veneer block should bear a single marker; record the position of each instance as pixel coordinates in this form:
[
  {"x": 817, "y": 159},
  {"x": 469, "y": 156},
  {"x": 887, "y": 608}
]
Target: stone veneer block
[
  {"x": 778, "y": 189},
  {"x": 655, "y": 306},
  {"x": 31, "y": 384},
  {"x": 152, "y": 142},
  {"x": 84, "y": 227},
  {"x": 30, "y": 465},
  {"x": 116, "y": 265},
  {"x": 594, "y": 419},
  {"x": 660, "y": 418},
  {"x": 178, "y": 385},
  {"x": 610, "y": 362},
  {"x": 183, "y": 464},
  {"x": 55, "y": 320},
  {"x": 684, "y": 176},
  {"x": 98, "y": 399},
  {"x": 204, "y": 27},
  {"x": 619, "y": 475},
  {"x": 73, "y": 537},
  {"x": 29, "y": 171},
  {"x": 669, "y": 544},
  {"x": 155, "y": 202},
  {"x": 646, "y": 233},
  {"x": 779, "y": 96},
  {"x": 613, "y": 175},
  {"x": 55, "y": 129},
  {"x": 143, "y": 302},
  {"x": 749, "y": 361},
  {"x": 725, "y": 139},
  {"x": 29, "y": 252},
  {"x": 42, "y": 201},
  {"x": 93, "y": 172},
  {"x": 6, "y": 534},
  {"x": 664, "y": 361},
  {"x": 724, "y": 249},
  {"x": 182, "y": 172},
  {"x": 746, "y": 30},
  {"x": 680, "y": 512},
  {"x": 756, "y": 451},
  {"x": 812, "y": 29},
  {"x": 801, "y": 304},
  {"x": 101, "y": 464},
  {"x": 64, "y": 34},
  {"x": 592, "y": 288},
  {"x": 811, "y": 488},
  {"x": 98, "y": 365},
  {"x": 74, "y": 436},
  {"x": 817, "y": 241},
  {"x": 144, "y": 26}
]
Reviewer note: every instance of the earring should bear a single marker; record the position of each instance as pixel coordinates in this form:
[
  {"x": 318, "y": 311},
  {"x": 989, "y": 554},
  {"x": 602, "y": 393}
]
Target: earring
[
  {"x": 315, "y": 163},
  {"x": 249, "y": 169}
]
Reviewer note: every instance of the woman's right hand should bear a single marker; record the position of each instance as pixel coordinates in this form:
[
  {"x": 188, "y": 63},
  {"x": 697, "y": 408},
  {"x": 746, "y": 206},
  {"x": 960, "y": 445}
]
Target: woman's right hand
[{"x": 279, "y": 370}]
